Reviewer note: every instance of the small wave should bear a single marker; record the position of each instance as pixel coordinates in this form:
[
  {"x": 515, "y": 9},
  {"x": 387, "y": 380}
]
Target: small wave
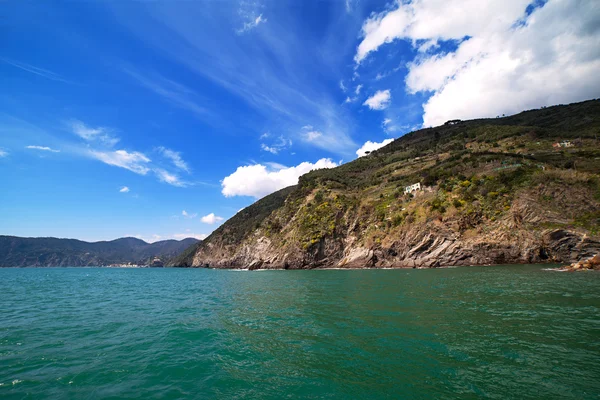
[{"x": 16, "y": 381}]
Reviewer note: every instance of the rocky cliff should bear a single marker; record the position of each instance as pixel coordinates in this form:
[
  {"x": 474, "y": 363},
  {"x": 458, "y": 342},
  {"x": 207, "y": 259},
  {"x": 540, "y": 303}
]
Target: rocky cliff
[{"x": 494, "y": 191}]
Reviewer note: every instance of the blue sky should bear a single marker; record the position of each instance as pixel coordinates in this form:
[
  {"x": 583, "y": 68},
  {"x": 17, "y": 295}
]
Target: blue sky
[{"x": 162, "y": 119}]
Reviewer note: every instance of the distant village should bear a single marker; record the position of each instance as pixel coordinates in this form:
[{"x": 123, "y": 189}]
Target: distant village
[{"x": 156, "y": 263}]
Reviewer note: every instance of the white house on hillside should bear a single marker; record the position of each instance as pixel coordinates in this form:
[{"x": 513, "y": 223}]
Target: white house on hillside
[{"x": 412, "y": 188}]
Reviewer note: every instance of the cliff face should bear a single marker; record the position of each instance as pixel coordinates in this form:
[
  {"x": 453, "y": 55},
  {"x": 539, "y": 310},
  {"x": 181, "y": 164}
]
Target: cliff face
[{"x": 494, "y": 191}]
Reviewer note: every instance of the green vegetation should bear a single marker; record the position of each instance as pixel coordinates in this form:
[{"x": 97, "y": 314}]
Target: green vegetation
[
  {"x": 48, "y": 252},
  {"x": 472, "y": 172}
]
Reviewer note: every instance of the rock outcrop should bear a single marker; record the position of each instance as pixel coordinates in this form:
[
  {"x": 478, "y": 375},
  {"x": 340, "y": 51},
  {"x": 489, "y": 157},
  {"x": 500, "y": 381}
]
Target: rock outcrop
[{"x": 592, "y": 263}]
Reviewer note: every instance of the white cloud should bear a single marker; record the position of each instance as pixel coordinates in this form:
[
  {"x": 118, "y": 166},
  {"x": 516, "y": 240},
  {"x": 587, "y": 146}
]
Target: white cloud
[
  {"x": 379, "y": 101},
  {"x": 168, "y": 177},
  {"x": 265, "y": 135},
  {"x": 371, "y": 146},
  {"x": 252, "y": 23},
  {"x": 211, "y": 219},
  {"x": 258, "y": 181},
  {"x": 269, "y": 149},
  {"x": 42, "y": 148},
  {"x": 176, "y": 236},
  {"x": 281, "y": 144},
  {"x": 188, "y": 215},
  {"x": 387, "y": 121},
  {"x": 312, "y": 135},
  {"x": 133, "y": 161},
  {"x": 3, "y": 153},
  {"x": 343, "y": 87},
  {"x": 35, "y": 70},
  {"x": 124, "y": 189},
  {"x": 348, "y": 6},
  {"x": 181, "y": 236},
  {"x": 505, "y": 60},
  {"x": 175, "y": 158},
  {"x": 99, "y": 134},
  {"x": 357, "y": 90}
]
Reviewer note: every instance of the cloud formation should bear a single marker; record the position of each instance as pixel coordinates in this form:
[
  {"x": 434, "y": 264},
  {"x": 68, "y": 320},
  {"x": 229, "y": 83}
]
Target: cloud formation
[
  {"x": 175, "y": 158},
  {"x": 42, "y": 148},
  {"x": 3, "y": 153},
  {"x": 274, "y": 148},
  {"x": 371, "y": 146},
  {"x": 252, "y": 23},
  {"x": 258, "y": 180},
  {"x": 168, "y": 177},
  {"x": 124, "y": 189},
  {"x": 133, "y": 161},
  {"x": 211, "y": 219},
  {"x": 379, "y": 101},
  {"x": 34, "y": 70},
  {"x": 99, "y": 134},
  {"x": 188, "y": 215},
  {"x": 509, "y": 56},
  {"x": 181, "y": 236},
  {"x": 312, "y": 135}
]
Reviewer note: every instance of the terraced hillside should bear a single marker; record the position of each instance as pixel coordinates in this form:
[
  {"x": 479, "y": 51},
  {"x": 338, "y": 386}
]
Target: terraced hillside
[{"x": 493, "y": 191}]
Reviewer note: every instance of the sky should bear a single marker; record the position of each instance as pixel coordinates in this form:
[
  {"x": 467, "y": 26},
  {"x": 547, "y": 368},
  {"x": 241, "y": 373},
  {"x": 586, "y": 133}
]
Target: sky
[{"x": 162, "y": 119}]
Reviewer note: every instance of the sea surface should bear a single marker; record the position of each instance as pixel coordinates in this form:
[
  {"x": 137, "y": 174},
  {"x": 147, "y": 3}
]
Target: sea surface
[{"x": 474, "y": 332}]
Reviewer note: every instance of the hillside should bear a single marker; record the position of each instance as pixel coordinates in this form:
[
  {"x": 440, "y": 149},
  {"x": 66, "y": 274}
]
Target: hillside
[
  {"x": 493, "y": 191},
  {"x": 53, "y": 252}
]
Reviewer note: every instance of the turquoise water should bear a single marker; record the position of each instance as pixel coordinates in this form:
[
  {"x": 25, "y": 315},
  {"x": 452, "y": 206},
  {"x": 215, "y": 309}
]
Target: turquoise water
[{"x": 494, "y": 332}]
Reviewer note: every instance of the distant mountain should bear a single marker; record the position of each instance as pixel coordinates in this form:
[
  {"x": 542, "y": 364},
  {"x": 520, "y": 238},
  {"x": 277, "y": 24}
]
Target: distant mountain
[
  {"x": 53, "y": 252},
  {"x": 519, "y": 189}
]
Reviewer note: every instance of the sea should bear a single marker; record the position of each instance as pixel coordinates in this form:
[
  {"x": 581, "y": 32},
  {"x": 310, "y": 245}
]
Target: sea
[{"x": 501, "y": 332}]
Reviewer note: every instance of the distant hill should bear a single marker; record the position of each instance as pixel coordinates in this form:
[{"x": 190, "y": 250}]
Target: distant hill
[
  {"x": 518, "y": 189},
  {"x": 53, "y": 252}
]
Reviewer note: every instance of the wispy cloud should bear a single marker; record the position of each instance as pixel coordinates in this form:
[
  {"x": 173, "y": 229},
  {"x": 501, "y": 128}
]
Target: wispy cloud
[
  {"x": 99, "y": 134},
  {"x": 42, "y": 148},
  {"x": 188, "y": 215},
  {"x": 280, "y": 144},
  {"x": 313, "y": 135},
  {"x": 169, "y": 178},
  {"x": 3, "y": 153},
  {"x": 124, "y": 189},
  {"x": 34, "y": 70},
  {"x": 278, "y": 75},
  {"x": 181, "y": 236},
  {"x": 175, "y": 158},
  {"x": 100, "y": 146},
  {"x": 133, "y": 161},
  {"x": 174, "y": 92},
  {"x": 252, "y": 23}
]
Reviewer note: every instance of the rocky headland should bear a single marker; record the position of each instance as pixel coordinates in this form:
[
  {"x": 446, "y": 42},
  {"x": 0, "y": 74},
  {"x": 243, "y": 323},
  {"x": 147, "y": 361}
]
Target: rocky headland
[{"x": 481, "y": 192}]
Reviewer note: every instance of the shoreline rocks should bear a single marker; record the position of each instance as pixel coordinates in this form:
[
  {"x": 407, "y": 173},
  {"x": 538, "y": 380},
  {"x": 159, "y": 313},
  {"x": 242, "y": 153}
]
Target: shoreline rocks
[{"x": 592, "y": 263}]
